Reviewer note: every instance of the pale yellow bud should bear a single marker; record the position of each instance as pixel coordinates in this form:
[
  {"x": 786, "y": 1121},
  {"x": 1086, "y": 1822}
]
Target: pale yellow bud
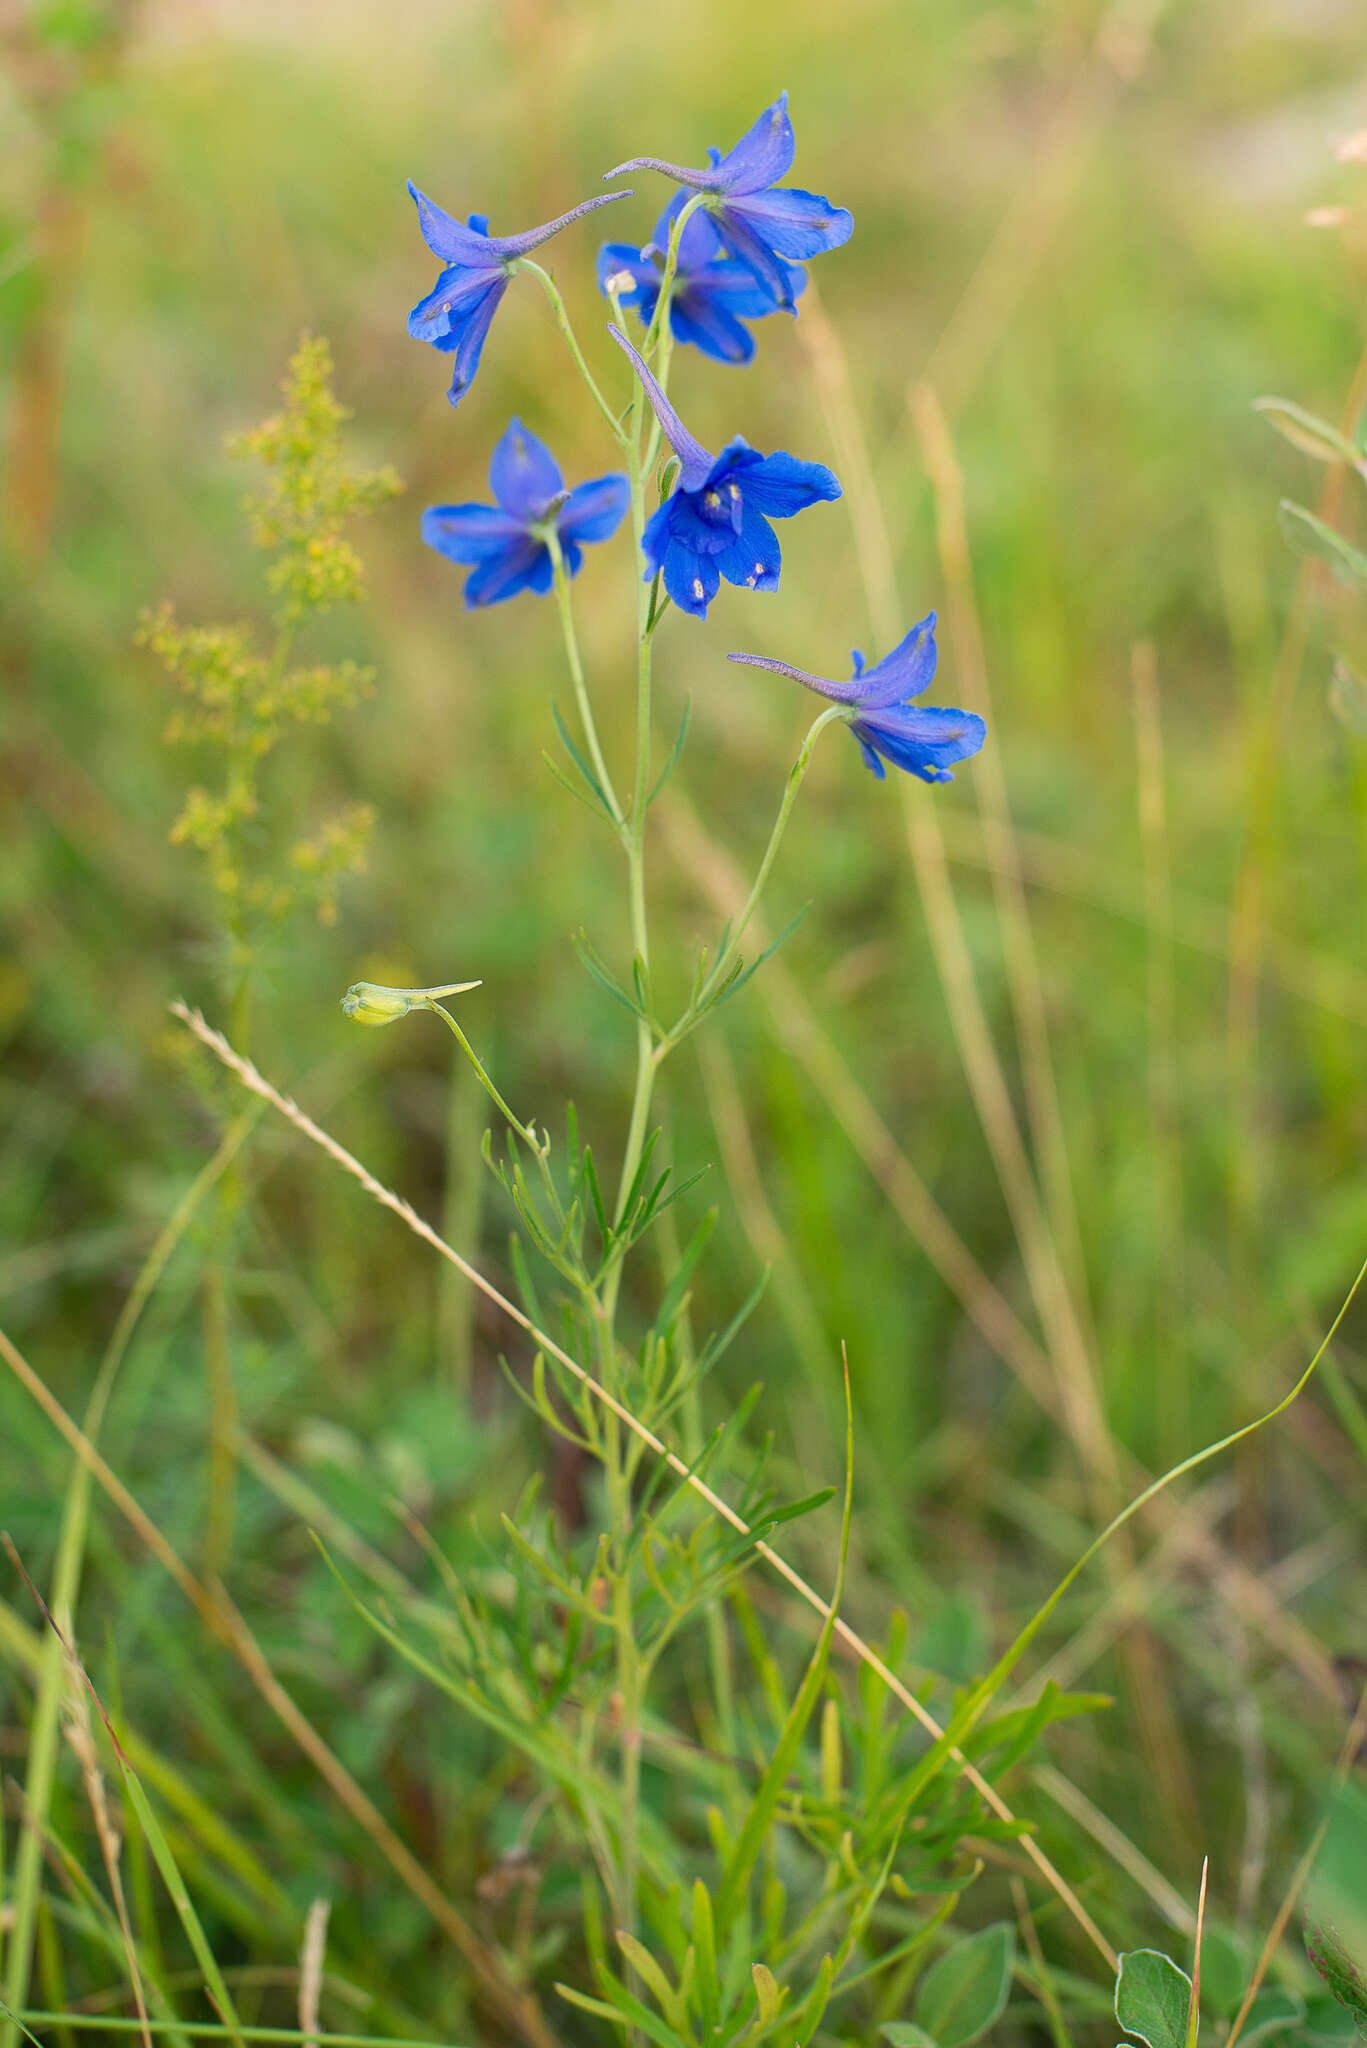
[{"x": 368, "y": 1002}]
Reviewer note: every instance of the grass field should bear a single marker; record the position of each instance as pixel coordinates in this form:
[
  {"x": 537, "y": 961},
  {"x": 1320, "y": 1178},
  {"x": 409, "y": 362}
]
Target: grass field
[{"x": 1049, "y": 1113}]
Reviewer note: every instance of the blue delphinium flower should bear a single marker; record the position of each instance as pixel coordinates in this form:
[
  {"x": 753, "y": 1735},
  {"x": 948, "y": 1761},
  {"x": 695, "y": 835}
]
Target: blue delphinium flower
[
  {"x": 920, "y": 738},
  {"x": 764, "y": 228},
  {"x": 712, "y": 294},
  {"x": 713, "y": 523},
  {"x": 455, "y": 316},
  {"x": 506, "y": 542}
]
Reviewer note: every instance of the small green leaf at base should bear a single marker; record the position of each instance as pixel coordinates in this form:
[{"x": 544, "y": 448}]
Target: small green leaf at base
[
  {"x": 1152, "y": 1998},
  {"x": 906, "y": 2034},
  {"x": 965, "y": 1991}
]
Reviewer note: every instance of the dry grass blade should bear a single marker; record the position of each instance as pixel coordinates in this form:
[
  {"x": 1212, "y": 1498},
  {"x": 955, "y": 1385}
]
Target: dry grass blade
[{"x": 518, "y": 2008}]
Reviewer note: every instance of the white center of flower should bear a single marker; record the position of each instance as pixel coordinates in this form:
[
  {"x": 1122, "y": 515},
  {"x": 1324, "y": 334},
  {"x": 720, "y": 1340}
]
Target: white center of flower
[
  {"x": 621, "y": 281},
  {"x": 697, "y": 586},
  {"x": 712, "y": 500}
]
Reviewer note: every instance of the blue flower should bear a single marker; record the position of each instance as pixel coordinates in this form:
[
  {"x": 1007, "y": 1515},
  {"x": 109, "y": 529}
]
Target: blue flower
[
  {"x": 921, "y": 739},
  {"x": 713, "y": 293},
  {"x": 455, "y": 316},
  {"x": 713, "y": 523},
  {"x": 506, "y": 542},
  {"x": 764, "y": 228}
]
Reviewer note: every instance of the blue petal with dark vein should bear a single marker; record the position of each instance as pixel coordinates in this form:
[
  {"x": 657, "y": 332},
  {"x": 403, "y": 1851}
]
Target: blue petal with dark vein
[
  {"x": 523, "y": 474},
  {"x": 791, "y": 223},
  {"x": 903, "y": 674},
  {"x": 469, "y": 533},
  {"x": 524, "y": 565},
  {"x": 782, "y": 486},
  {"x": 593, "y": 511},
  {"x": 754, "y": 558},
  {"x": 924, "y": 741}
]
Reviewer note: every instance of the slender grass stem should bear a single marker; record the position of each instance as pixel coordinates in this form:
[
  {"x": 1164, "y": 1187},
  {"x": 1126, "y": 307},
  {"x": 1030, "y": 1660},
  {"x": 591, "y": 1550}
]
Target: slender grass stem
[
  {"x": 729, "y": 957},
  {"x": 66, "y": 1581},
  {"x": 562, "y": 321},
  {"x": 576, "y": 667},
  {"x": 524, "y": 1131}
]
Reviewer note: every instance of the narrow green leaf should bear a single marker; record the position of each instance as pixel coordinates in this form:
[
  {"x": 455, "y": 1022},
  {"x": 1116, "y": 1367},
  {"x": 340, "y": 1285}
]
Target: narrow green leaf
[
  {"x": 649, "y": 1971},
  {"x": 672, "y": 763},
  {"x": 580, "y": 763},
  {"x": 598, "y": 809},
  {"x": 1306, "y": 535},
  {"x": 1305, "y": 431},
  {"x": 705, "y": 1948},
  {"x": 739, "y": 975},
  {"x": 602, "y": 973},
  {"x": 965, "y": 1991},
  {"x": 1152, "y": 1996},
  {"x": 683, "y": 1272},
  {"x": 767, "y": 1994},
  {"x": 906, "y": 2034}
]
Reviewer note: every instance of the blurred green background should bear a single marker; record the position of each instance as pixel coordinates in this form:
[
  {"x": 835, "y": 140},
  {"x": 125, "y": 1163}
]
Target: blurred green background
[{"x": 1085, "y": 226}]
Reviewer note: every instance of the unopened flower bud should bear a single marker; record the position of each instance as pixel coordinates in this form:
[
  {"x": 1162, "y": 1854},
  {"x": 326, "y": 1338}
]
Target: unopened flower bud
[{"x": 369, "y": 1002}]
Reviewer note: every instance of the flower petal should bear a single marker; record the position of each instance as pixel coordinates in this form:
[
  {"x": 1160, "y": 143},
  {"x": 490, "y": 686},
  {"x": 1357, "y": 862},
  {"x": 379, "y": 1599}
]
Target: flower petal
[
  {"x": 905, "y": 672},
  {"x": 469, "y": 533},
  {"x": 691, "y": 580},
  {"x": 772, "y": 275},
  {"x": 763, "y": 155},
  {"x": 695, "y": 464},
  {"x": 451, "y": 239},
  {"x": 734, "y": 285},
  {"x": 523, "y": 474},
  {"x": 781, "y": 485},
  {"x": 593, "y": 511},
  {"x": 871, "y": 759},
  {"x": 923, "y": 741},
  {"x": 792, "y": 223},
  {"x": 469, "y": 342},
  {"x": 440, "y": 317},
  {"x": 754, "y": 558},
  {"x": 524, "y": 564},
  {"x": 699, "y": 317}
]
